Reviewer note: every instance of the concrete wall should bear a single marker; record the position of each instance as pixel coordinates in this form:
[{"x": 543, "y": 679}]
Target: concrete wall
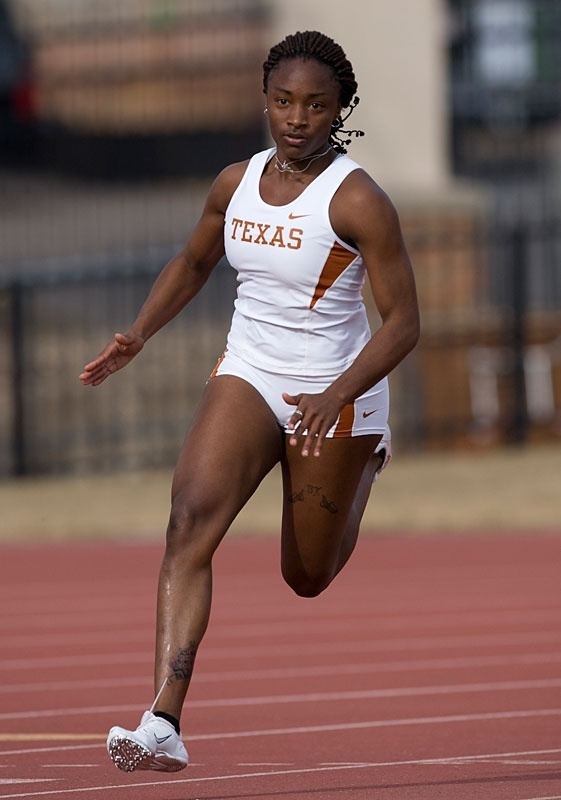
[{"x": 398, "y": 51}]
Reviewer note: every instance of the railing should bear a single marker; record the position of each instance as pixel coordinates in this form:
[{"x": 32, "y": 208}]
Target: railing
[
  {"x": 487, "y": 369},
  {"x": 50, "y": 423}
]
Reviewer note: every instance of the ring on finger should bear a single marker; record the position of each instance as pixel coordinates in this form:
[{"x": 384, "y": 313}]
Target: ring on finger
[{"x": 300, "y": 413}]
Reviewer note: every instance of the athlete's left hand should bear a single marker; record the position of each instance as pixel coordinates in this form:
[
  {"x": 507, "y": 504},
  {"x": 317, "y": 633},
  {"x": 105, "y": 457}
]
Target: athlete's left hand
[{"x": 316, "y": 414}]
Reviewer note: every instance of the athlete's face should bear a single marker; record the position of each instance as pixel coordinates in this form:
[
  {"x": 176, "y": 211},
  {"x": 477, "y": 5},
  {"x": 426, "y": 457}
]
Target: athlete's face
[{"x": 303, "y": 102}]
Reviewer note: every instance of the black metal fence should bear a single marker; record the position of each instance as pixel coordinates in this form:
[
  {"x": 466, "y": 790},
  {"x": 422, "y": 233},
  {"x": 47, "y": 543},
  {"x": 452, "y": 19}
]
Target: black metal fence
[
  {"x": 487, "y": 369},
  {"x": 50, "y": 422}
]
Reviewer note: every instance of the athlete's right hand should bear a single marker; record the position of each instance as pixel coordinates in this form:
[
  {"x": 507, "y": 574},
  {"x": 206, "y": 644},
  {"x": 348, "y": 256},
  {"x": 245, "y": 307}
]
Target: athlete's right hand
[{"x": 116, "y": 355}]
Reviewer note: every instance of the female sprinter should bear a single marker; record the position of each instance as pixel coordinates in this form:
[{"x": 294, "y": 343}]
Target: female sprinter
[{"x": 302, "y": 380}]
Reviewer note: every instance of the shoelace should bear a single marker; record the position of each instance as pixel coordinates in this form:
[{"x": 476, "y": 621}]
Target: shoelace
[{"x": 153, "y": 706}]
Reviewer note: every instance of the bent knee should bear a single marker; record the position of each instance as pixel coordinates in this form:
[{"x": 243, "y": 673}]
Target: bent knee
[
  {"x": 308, "y": 585},
  {"x": 188, "y": 528},
  {"x": 183, "y": 519}
]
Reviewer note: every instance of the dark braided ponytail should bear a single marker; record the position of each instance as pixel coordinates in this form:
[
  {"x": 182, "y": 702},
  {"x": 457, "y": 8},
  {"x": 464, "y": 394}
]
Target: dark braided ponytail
[{"x": 312, "y": 44}]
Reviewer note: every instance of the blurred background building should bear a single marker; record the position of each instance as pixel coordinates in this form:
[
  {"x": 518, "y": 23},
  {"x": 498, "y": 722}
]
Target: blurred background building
[{"x": 115, "y": 118}]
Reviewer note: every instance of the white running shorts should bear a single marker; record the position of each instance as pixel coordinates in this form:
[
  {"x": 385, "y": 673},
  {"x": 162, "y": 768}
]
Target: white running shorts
[{"x": 367, "y": 415}]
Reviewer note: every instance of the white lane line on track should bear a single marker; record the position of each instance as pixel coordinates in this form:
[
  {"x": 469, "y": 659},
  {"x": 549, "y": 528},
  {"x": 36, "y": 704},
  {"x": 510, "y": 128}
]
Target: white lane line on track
[
  {"x": 123, "y": 617},
  {"x": 79, "y": 603},
  {"x": 360, "y": 668},
  {"x": 344, "y": 726},
  {"x": 68, "y": 590},
  {"x": 266, "y": 764},
  {"x": 308, "y": 697},
  {"x": 451, "y": 571},
  {"x": 524, "y": 762},
  {"x": 485, "y": 619},
  {"x": 274, "y": 773},
  {"x": 391, "y": 723},
  {"x": 258, "y": 630},
  {"x": 43, "y": 612},
  {"x": 214, "y": 652},
  {"x": 28, "y": 641},
  {"x": 11, "y": 781}
]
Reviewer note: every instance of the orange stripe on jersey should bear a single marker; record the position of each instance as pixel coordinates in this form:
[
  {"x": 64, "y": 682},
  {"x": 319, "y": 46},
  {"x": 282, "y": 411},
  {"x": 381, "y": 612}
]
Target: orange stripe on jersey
[
  {"x": 346, "y": 420},
  {"x": 337, "y": 261},
  {"x": 217, "y": 365}
]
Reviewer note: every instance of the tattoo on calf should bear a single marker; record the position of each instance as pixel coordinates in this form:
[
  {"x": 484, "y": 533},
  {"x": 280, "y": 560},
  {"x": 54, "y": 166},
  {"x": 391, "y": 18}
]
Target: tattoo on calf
[
  {"x": 297, "y": 497},
  {"x": 314, "y": 490},
  {"x": 182, "y": 664},
  {"x": 328, "y": 504}
]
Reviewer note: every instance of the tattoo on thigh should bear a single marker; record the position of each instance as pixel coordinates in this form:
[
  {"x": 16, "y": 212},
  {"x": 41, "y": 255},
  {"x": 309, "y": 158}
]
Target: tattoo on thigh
[
  {"x": 313, "y": 490},
  {"x": 182, "y": 664},
  {"x": 297, "y": 497},
  {"x": 328, "y": 504}
]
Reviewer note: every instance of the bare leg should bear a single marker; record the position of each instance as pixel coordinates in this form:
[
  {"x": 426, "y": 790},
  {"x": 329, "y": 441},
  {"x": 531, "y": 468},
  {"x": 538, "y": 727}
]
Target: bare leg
[
  {"x": 324, "y": 500},
  {"x": 233, "y": 443},
  {"x": 349, "y": 540}
]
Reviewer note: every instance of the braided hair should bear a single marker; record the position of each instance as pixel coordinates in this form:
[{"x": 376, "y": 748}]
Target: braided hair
[{"x": 312, "y": 44}]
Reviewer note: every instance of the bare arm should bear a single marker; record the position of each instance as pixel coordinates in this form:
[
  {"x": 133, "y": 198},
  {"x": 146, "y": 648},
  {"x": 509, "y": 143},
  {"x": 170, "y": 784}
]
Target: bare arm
[
  {"x": 363, "y": 215},
  {"x": 176, "y": 285},
  {"x": 183, "y": 277}
]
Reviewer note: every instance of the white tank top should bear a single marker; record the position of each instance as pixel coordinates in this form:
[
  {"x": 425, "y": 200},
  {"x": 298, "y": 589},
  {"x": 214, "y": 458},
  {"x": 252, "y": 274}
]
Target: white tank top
[{"x": 299, "y": 308}]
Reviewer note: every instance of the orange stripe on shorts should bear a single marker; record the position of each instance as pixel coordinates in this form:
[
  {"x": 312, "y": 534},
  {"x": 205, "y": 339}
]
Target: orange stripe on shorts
[
  {"x": 346, "y": 420},
  {"x": 217, "y": 365}
]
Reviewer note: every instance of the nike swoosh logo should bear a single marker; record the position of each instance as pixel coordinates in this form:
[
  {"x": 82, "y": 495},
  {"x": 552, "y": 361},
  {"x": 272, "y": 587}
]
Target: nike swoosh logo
[
  {"x": 162, "y": 739},
  {"x": 298, "y": 216},
  {"x": 367, "y": 413}
]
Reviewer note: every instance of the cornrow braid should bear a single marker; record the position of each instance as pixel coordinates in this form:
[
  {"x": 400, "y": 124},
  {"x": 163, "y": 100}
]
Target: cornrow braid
[{"x": 312, "y": 44}]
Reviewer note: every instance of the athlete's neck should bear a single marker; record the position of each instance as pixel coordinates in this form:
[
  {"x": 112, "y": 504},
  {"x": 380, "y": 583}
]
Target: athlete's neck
[{"x": 312, "y": 164}]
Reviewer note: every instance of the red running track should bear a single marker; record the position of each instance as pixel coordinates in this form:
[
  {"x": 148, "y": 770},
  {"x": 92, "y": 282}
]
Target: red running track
[{"x": 430, "y": 669}]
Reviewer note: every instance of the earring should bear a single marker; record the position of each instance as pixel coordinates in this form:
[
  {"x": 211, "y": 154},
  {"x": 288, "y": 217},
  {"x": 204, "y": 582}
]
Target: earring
[{"x": 265, "y": 110}]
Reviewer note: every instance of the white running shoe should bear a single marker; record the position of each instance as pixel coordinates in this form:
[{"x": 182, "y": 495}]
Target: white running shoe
[
  {"x": 385, "y": 447},
  {"x": 153, "y": 745}
]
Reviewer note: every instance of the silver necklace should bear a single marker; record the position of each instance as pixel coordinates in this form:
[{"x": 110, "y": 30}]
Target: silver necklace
[{"x": 286, "y": 166}]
